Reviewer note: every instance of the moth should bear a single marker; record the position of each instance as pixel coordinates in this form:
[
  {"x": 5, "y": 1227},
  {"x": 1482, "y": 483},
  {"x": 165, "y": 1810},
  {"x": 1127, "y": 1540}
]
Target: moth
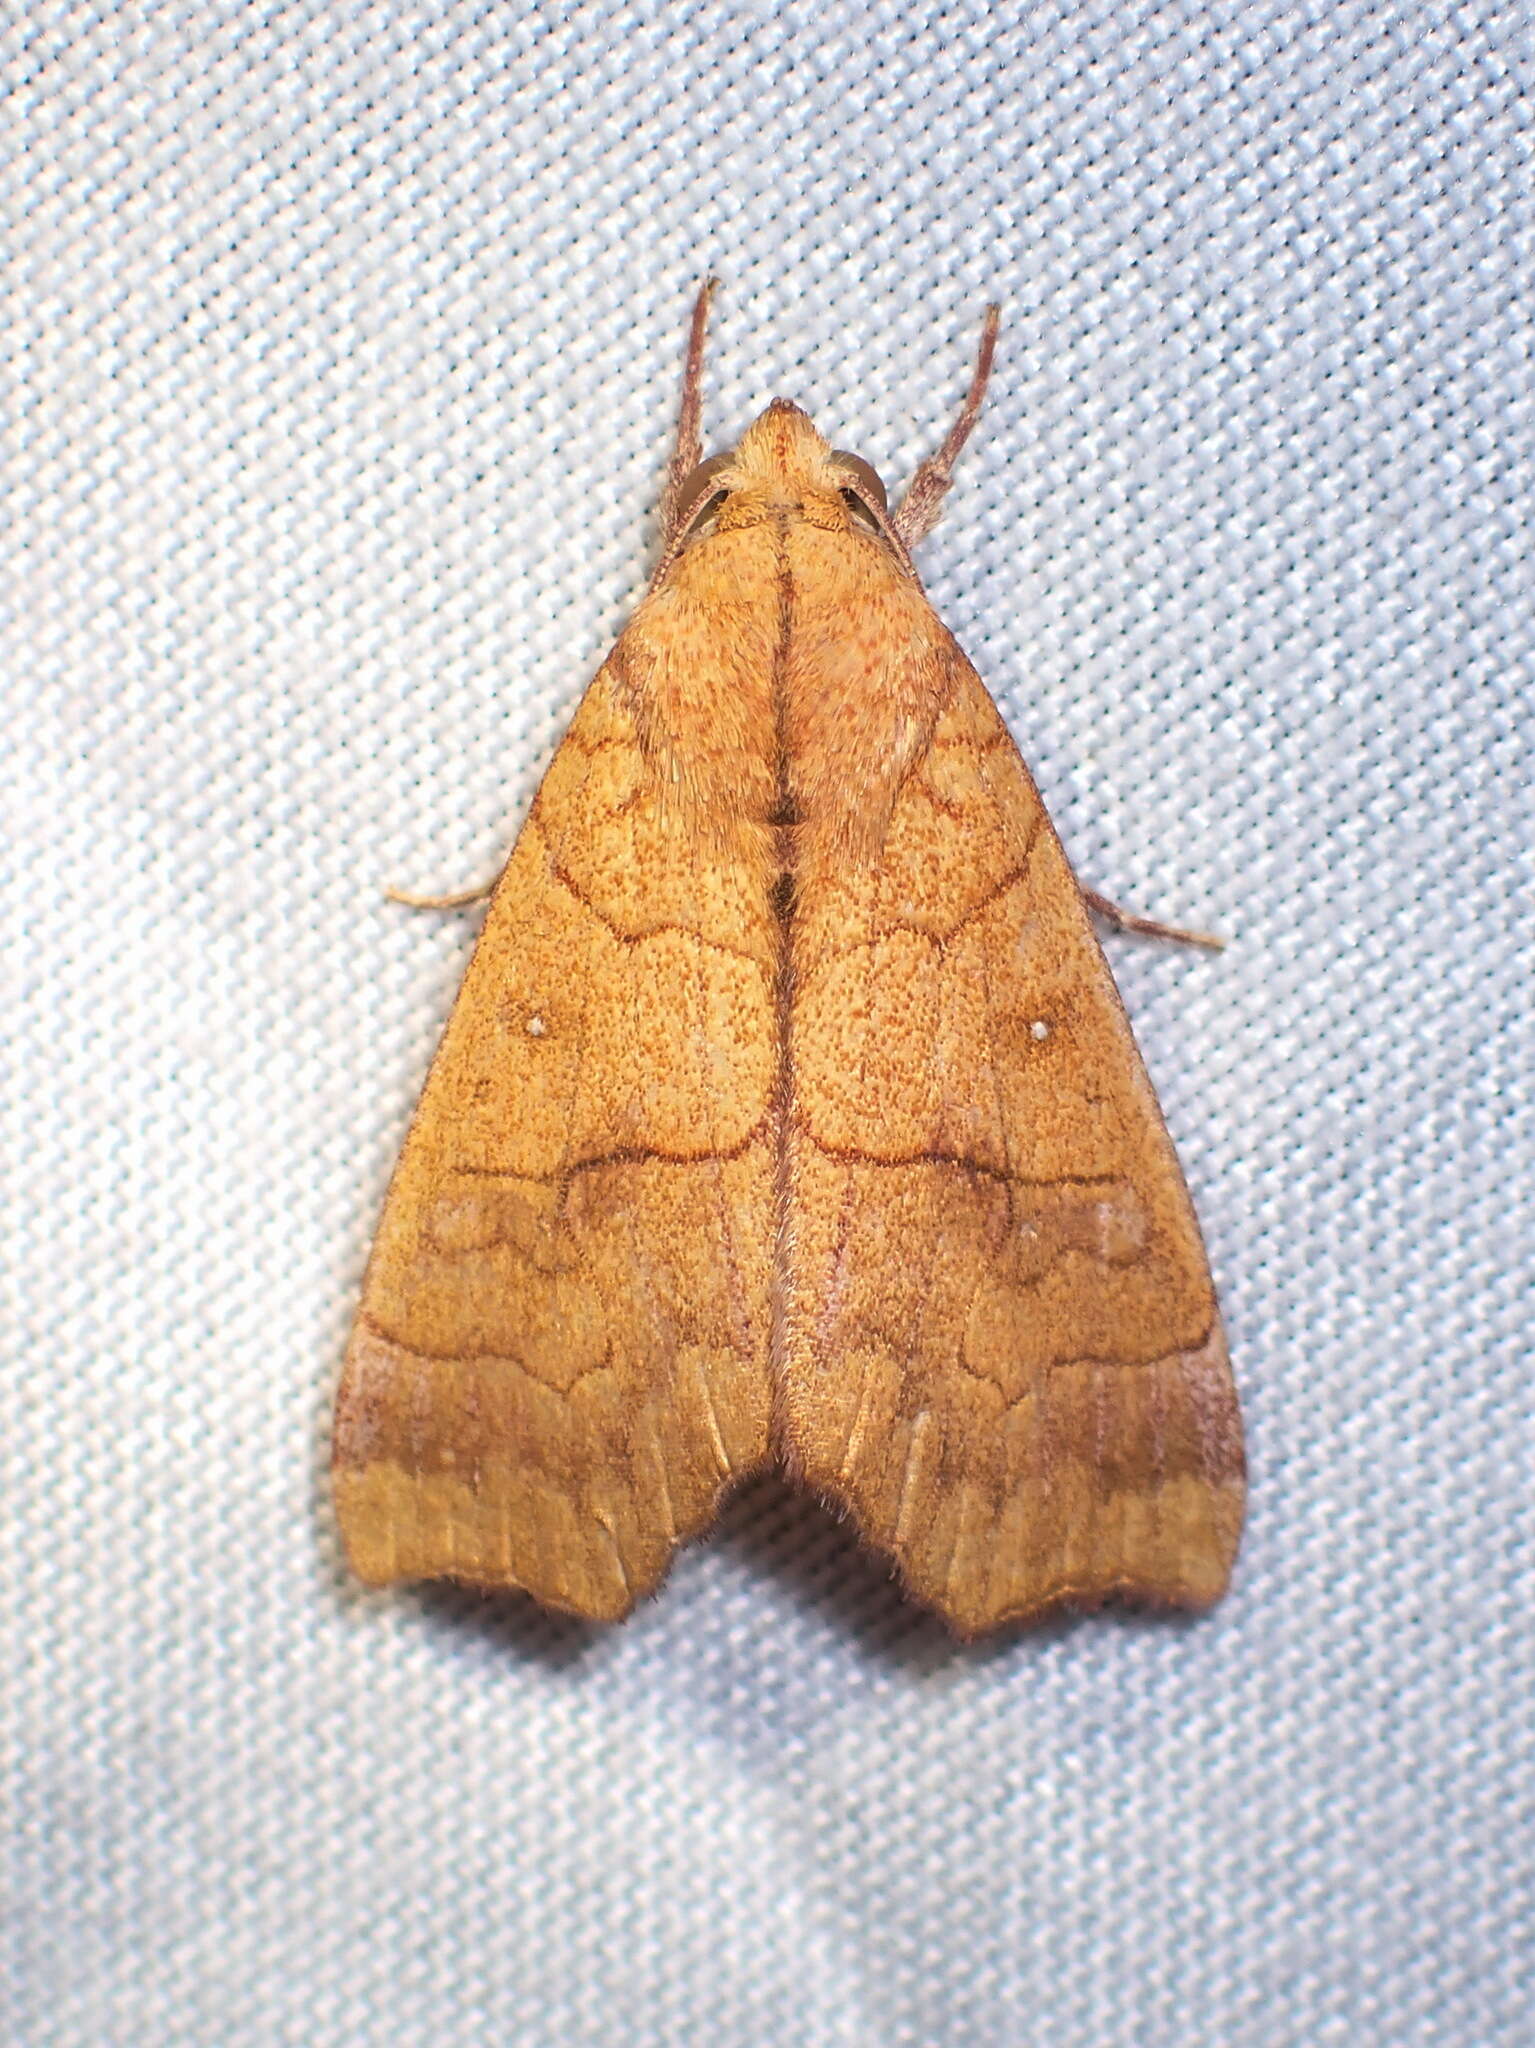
[{"x": 789, "y": 1116}]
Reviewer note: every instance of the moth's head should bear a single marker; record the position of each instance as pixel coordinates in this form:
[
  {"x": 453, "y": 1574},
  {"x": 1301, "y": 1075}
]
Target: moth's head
[{"x": 781, "y": 464}]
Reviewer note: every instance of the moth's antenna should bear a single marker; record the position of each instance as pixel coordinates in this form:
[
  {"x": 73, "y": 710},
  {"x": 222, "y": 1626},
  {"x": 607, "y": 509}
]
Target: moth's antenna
[
  {"x": 689, "y": 444},
  {"x": 917, "y": 513}
]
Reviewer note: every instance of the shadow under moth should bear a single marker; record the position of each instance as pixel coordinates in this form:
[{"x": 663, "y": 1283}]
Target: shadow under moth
[{"x": 789, "y": 1116}]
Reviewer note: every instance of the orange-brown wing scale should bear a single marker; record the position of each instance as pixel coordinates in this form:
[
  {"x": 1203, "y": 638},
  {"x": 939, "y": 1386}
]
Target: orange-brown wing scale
[
  {"x": 562, "y": 1354},
  {"x": 1003, "y": 1355},
  {"x": 789, "y": 1109}
]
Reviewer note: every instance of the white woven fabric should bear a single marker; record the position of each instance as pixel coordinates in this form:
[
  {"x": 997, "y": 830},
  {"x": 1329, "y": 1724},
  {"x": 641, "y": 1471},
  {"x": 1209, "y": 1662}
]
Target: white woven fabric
[{"x": 339, "y": 348}]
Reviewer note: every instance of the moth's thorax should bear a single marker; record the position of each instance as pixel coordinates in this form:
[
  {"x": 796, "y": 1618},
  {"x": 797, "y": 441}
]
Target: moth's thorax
[
  {"x": 782, "y": 465},
  {"x": 785, "y": 673}
]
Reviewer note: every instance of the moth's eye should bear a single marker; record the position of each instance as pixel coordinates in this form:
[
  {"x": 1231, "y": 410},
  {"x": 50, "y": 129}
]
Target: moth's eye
[
  {"x": 863, "y": 479},
  {"x": 701, "y": 485}
]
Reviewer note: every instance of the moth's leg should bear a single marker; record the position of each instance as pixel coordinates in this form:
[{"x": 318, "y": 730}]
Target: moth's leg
[
  {"x": 458, "y": 900},
  {"x": 1151, "y": 927},
  {"x": 917, "y": 513},
  {"x": 689, "y": 444}
]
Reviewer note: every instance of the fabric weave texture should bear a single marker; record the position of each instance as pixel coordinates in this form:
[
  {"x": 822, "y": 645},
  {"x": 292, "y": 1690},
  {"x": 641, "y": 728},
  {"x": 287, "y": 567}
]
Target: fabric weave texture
[{"x": 339, "y": 351}]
